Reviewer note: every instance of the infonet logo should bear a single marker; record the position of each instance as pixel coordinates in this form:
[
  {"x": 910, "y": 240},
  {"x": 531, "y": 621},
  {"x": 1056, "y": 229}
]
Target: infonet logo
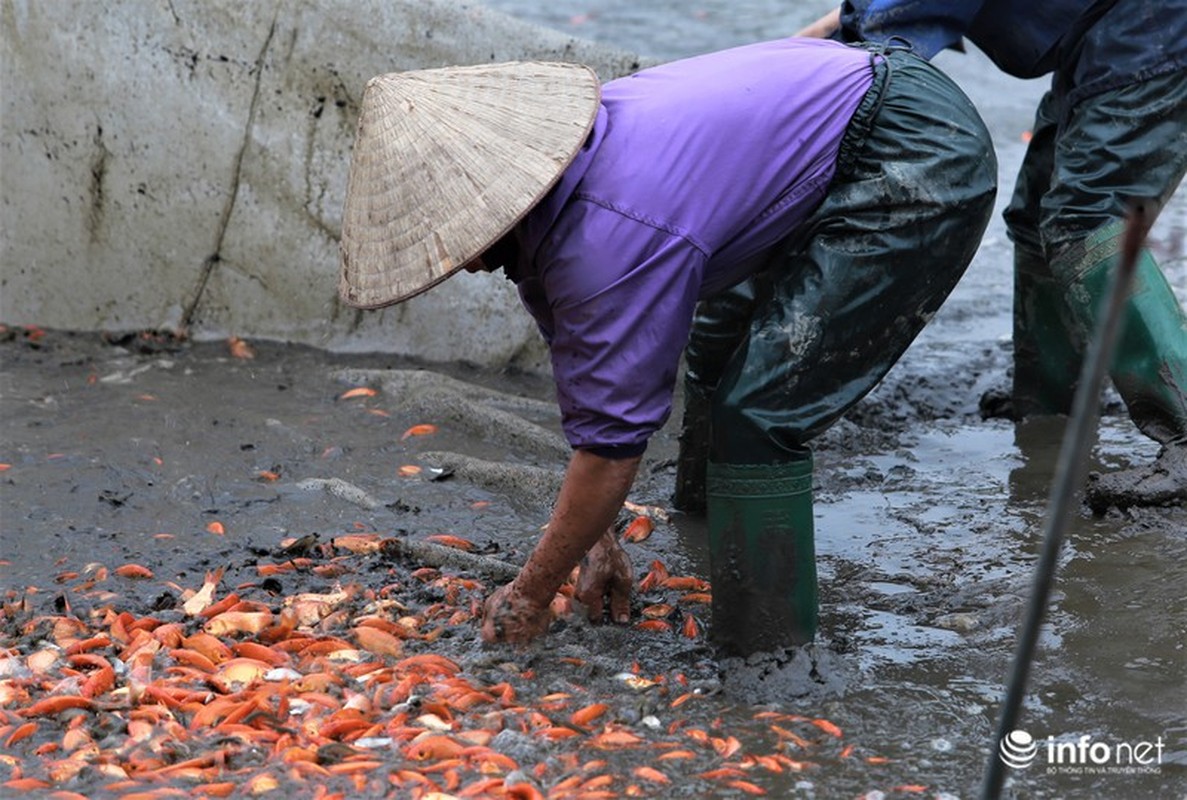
[{"x": 1018, "y": 749}]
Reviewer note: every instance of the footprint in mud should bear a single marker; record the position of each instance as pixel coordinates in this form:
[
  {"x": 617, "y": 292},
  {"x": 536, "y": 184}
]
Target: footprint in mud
[{"x": 810, "y": 674}]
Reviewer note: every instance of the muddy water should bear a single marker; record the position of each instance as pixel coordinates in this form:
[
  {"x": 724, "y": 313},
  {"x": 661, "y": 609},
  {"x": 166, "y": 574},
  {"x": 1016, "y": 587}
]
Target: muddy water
[{"x": 928, "y": 518}]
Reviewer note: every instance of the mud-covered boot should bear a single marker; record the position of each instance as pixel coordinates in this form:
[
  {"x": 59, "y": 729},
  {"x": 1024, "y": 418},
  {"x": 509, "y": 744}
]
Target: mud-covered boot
[
  {"x": 694, "y": 451},
  {"x": 762, "y": 556},
  {"x": 1161, "y": 483},
  {"x": 1149, "y": 367},
  {"x": 1048, "y": 348}
]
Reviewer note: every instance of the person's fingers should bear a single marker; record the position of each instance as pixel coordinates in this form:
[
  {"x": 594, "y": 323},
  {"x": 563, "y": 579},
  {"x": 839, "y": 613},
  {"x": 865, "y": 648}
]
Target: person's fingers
[
  {"x": 621, "y": 587},
  {"x": 508, "y": 618},
  {"x": 620, "y": 604},
  {"x": 596, "y": 609},
  {"x": 590, "y": 593},
  {"x": 605, "y": 575},
  {"x": 491, "y": 633},
  {"x": 493, "y": 628}
]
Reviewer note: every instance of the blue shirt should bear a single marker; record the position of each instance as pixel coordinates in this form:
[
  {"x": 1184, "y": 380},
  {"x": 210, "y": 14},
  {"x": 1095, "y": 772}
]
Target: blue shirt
[
  {"x": 693, "y": 171},
  {"x": 1092, "y": 45}
]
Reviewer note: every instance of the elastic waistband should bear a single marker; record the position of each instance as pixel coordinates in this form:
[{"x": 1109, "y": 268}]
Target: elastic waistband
[{"x": 882, "y": 61}]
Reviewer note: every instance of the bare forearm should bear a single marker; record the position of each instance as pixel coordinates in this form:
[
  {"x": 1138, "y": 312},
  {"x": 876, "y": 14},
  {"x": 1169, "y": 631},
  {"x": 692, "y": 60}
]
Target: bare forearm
[
  {"x": 591, "y": 495},
  {"x": 824, "y": 27}
]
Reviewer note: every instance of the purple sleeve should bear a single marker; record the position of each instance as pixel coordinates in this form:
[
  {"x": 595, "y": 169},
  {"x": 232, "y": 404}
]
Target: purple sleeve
[{"x": 621, "y": 294}]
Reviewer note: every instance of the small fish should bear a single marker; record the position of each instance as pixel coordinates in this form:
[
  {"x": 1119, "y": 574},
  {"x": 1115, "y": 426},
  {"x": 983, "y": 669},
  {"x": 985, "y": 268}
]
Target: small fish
[
  {"x": 134, "y": 571},
  {"x": 651, "y": 774},
  {"x": 239, "y": 348},
  {"x": 419, "y": 430},
  {"x": 657, "y": 625},
  {"x": 358, "y": 391},
  {"x": 449, "y": 540},
  {"x": 827, "y": 727},
  {"x": 300, "y": 547},
  {"x": 584, "y": 716},
  {"x": 639, "y": 529},
  {"x": 657, "y": 611}
]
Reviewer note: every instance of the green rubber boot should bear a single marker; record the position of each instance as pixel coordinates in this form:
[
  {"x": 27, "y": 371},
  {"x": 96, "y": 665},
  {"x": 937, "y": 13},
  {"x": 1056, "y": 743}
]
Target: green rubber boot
[
  {"x": 1149, "y": 366},
  {"x": 694, "y": 451},
  {"x": 1048, "y": 353},
  {"x": 762, "y": 557}
]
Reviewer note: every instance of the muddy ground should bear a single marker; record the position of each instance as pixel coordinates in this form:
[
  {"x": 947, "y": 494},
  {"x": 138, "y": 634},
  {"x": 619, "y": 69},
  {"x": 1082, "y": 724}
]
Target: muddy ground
[{"x": 125, "y": 450}]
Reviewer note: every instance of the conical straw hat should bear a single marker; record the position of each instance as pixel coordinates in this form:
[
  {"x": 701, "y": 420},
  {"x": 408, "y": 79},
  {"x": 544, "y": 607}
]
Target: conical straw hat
[{"x": 446, "y": 161}]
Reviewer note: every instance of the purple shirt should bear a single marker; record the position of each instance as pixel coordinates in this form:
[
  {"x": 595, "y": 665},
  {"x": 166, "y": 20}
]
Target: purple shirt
[{"x": 693, "y": 170}]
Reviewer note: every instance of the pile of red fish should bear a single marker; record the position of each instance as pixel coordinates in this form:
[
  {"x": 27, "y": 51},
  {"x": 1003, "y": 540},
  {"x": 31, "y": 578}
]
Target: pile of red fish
[{"x": 346, "y": 693}]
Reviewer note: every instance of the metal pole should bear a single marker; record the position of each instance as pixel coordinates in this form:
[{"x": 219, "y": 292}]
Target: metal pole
[{"x": 1070, "y": 473}]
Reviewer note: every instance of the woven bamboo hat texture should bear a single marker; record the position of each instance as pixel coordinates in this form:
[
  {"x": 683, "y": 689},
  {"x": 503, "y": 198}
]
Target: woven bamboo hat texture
[{"x": 446, "y": 161}]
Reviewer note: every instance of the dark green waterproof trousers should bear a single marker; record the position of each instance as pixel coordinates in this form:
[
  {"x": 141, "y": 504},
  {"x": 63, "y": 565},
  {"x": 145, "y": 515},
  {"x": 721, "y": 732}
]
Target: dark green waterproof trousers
[
  {"x": 1088, "y": 158},
  {"x": 785, "y": 354}
]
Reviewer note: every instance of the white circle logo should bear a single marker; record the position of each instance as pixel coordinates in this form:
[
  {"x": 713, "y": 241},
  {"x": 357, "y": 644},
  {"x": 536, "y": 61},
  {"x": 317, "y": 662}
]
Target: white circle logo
[{"x": 1018, "y": 749}]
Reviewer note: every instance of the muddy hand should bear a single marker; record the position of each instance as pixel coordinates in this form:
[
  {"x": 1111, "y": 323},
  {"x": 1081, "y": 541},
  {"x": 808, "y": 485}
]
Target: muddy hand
[
  {"x": 606, "y": 573},
  {"x": 509, "y": 617}
]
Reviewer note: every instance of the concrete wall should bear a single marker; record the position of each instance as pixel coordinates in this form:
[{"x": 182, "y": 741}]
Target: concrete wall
[{"x": 181, "y": 164}]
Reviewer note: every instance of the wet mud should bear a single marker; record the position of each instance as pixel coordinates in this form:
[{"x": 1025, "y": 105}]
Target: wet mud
[
  {"x": 186, "y": 459},
  {"x": 928, "y": 520}
]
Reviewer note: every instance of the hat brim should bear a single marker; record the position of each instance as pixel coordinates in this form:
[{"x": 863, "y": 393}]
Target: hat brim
[{"x": 447, "y": 161}]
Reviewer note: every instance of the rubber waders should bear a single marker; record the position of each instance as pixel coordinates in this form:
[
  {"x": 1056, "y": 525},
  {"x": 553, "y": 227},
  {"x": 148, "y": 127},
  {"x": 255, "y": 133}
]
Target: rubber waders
[
  {"x": 1047, "y": 353},
  {"x": 1150, "y": 363},
  {"x": 694, "y": 451},
  {"x": 762, "y": 555}
]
